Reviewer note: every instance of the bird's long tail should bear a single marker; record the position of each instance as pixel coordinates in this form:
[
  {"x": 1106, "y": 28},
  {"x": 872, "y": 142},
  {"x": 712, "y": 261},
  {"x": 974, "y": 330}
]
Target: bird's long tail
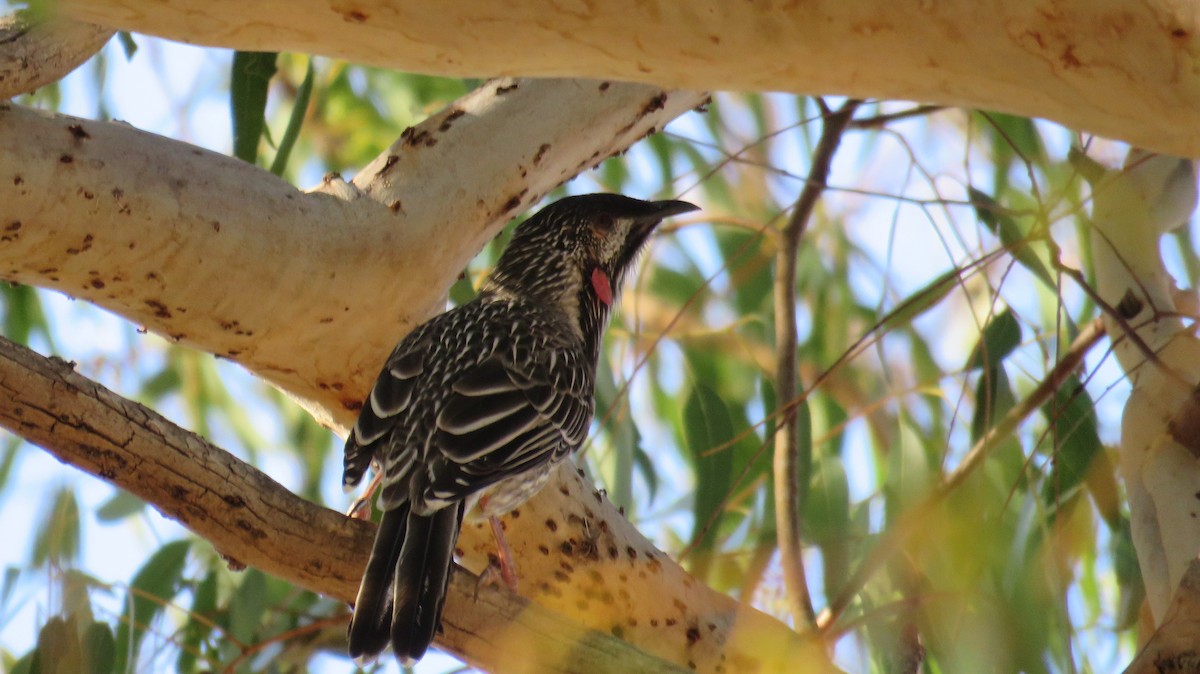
[{"x": 404, "y": 587}]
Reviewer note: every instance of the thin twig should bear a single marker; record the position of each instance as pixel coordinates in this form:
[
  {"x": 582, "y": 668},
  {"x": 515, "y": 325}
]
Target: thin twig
[
  {"x": 791, "y": 468},
  {"x": 883, "y": 120}
]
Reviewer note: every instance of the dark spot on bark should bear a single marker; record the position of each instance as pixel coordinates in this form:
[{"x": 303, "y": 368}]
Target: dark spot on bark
[
  {"x": 654, "y": 622},
  {"x": 66, "y": 159},
  {"x": 561, "y": 576},
  {"x": 449, "y": 121},
  {"x": 632, "y": 622},
  {"x": 354, "y": 16},
  {"x": 1130, "y": 305},
  {"x": 566, "y": 548},
  {"x": 551, "y": 524},
  {"x": 78, "y": 132},
  {"x": 511, "y": 205},
  {"x": 396, "y": 206},
  {"x": 255, "y": 532},
  {"x": 537, "y": 157},
  {"x": 655, "y": 104},
  {"x": 631, "y": 552},
  {"x": 612, "y": 551},
  {"x": 160, "y": 310},
  {"x": 515, "y": 513},
  {"x": 216, "y": 225},
  {"x": 1069, "y": 59},
  {"x": 327, "y": 319},
  {"x": 411, "y": 137},
  {"x": 679, "y": 605},
  {"x": 86, "y": 194},
  {"x": 566, "y": 566},
  {"x": 97, "y": 283},
  {"x": 235, "y": 501},
  {"x": 1179, "y": 33},
  {"x": 671, "y": 622},
  {"x": 501, "y": 90},
  {"x": 458, "y": 552},
  {"x": 13, "y": 226},
  {"x": 390, "y": 161},
  {"x": 562, "y": 489},
  {"x": 605, "y": 85},
  {"x": 18, "y": 180},
  {"x": 691, "y": 665},
  {"x": 544, "y": 550},
  {"x": 715, "y": 39}
]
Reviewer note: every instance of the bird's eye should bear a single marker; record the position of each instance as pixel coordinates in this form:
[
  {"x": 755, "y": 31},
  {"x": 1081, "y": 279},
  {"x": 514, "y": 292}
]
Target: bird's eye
[{"x": 603, "y": 223}]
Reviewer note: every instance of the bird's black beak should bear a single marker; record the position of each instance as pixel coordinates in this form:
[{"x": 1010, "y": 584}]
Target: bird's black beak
[
  {"x": 655, "y": 214},
  {"x": 665, "y": 209}
]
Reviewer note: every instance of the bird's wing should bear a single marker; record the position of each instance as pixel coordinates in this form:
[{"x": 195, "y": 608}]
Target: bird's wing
[
  {"x": 389, "y": 400},
  {"x": 508, "y": 415}
]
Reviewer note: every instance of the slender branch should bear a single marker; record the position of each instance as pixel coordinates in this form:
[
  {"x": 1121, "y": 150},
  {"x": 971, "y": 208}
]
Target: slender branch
[
  {"x": 791, "y": 467},
  {"x": 34, "y": 53},
  {"x": 879, "y": 121}
]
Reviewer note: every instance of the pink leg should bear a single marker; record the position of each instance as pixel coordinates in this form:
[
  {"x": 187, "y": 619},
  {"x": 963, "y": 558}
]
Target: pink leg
[
  {"x": 508, "y": 567},
  {"x": 361, "y": 508}
]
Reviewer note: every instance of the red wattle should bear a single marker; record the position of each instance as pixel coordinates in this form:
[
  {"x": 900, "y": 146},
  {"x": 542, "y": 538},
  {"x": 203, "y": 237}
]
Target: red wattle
[{"x": 602, "y": 286}]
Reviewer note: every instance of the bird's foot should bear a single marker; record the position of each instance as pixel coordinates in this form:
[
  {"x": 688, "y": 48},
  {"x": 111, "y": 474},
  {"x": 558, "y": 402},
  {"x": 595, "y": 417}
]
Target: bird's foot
[{"x": 360, "y": 509}]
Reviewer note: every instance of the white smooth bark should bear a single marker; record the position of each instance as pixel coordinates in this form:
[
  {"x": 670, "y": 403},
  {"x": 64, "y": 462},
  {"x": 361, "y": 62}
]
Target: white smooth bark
[
  {"x": 1160, "y": 446},
  {"x": 308, "y": 290},
  {"x": 1126, "y": 70},
  {"x": 34, "y": 54}
]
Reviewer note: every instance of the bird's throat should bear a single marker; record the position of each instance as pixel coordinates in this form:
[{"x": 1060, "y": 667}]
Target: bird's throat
[{"x": 602, "y": 285}]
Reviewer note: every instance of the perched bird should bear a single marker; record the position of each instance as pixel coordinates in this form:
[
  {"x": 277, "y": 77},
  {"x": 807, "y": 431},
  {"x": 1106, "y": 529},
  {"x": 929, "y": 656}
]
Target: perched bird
[{"x": 481, "y": 402}]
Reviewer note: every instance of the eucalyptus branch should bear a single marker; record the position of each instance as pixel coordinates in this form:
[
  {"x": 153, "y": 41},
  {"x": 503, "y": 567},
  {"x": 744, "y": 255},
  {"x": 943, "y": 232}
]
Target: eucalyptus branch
[
  {"x": 36, "y": 52},
  {"x": 793, "y": 458},
  {"x": 253, "y": 520}
]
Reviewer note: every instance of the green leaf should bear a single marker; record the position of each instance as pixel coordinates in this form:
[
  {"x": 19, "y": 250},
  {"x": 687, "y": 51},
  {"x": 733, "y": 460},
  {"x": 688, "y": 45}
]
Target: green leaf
[
  {"x": 128, "y": 45},
  {"x": 57, "y": 540},
  {"x": 58, "y": 649},
  {"x": 1072, "y": 417},
  {"x": 23, "y": 315},
  {"x": 247, "y": 606},
  {"x": 295, "y": 121},
  {"x": 827, "y": 511},
  {"x": 921, "y": 301},
  {"x": 99, "y": 649},
  {"x": 199, "y": 623},
  {"x": 1001, "y": 336},
  {"x": 121, "y": 505},
  {"x": 153, "y": 586},
  {"x": 707, "y": 425},
  {"x": 1016, "y": 241},
  {"x": 252, "y": 72}
]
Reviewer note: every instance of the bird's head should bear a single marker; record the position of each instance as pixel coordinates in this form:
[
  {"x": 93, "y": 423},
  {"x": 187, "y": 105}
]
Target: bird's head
[{"x": 576, "y": 251}]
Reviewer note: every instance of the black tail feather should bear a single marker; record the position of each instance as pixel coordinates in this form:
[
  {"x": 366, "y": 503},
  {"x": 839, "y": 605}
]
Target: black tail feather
[
  {"x": 421, "y": 578},
  {"x": 371, "y": 625}
]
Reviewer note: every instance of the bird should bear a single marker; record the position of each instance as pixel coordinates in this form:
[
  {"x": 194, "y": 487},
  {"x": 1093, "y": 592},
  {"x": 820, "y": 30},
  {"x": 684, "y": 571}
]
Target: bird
[{"x": 475, "y": 407}]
